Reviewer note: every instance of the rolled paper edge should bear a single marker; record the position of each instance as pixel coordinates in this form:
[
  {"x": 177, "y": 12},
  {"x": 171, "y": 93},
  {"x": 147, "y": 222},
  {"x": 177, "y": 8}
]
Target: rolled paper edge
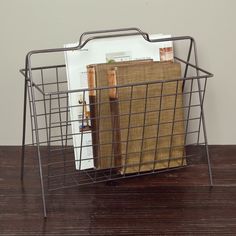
[
  {"x": 91, "y": 80},
  {"x": 111, "y": 77}
]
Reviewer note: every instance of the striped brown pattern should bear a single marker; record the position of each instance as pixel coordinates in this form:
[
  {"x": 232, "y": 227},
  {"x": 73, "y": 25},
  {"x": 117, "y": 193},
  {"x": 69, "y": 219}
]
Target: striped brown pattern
[{"x": 149, "y": 120}]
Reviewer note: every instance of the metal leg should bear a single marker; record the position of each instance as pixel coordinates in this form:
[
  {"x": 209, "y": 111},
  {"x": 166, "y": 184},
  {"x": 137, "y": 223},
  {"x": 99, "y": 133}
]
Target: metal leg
[
  {"x": 23, "y": 135},
  {"x": 203, "y": 120},
  {"x": 39, "y": 155},
  {"x": 206, "y": 145},
  {"x": 37, "y": 140},
  {"x": 42, "y": 185}
]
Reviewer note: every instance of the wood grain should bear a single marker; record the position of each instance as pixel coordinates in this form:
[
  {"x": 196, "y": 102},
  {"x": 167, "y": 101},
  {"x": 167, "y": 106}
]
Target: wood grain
[{"x": 174, "y": 203}]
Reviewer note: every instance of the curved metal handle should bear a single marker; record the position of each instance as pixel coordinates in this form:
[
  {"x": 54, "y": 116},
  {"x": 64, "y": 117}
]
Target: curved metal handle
[{"x": 117, "y": 33}]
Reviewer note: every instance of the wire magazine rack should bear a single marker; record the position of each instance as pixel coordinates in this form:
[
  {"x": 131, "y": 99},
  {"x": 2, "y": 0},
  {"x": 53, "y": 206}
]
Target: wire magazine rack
[{"x": 47, "y": 92}]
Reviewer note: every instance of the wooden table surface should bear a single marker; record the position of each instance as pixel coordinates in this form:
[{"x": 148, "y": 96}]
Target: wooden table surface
[{"x": 174, "y": 203}]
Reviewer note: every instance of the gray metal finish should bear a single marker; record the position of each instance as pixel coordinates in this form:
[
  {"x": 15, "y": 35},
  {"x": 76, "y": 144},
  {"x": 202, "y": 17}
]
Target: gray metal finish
[{"x": 49, "y": 111}]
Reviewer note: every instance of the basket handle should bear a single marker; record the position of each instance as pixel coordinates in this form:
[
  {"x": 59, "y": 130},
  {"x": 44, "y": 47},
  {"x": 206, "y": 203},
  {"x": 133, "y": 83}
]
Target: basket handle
[{"x": 111, "y": 33}]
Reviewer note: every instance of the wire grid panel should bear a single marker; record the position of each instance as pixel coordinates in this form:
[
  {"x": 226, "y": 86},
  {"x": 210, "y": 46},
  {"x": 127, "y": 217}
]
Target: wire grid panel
[{"x": 144, "y": 136}]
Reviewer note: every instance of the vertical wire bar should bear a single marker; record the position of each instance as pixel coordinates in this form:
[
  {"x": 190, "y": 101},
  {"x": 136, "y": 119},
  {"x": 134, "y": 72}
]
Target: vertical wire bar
[
  {"x": 173, "y": 125},
  {"x": 158, "y": 127},
  {"x": 37, "y": 139},
  {"x": 188, "y": 59},
  {"x": 127, "y": 139},
  {"x": 205, "y": 136},
  {"x": 111, "y": 76},
  {"x": 112, "y": 156},
  {"x": 204, "y": 90},
  {"x": 82, "y": 131},
  {"x": 46, "y": 123},
  {"x": 187, "y": 118},
  {"x": 99, "y": 120},
  {"x": 200, "y": 120},
  {"x": 59, "y": 107},
  {"x": 183, "y": 86},
  {"x": 24, "y": 129},
  {"x": 95, "y": 162},
  {"x": 203, "y": 119},
  {"x": 203, "y": 97},
  {"x": 31, "y": 114},
  {"x": 60, "y": 120},
  {"x": 115, "y": 120},
  {"x": 49, "y": 135},
  {"x": 67, "y": 118},
  {"x": 143, "y": 132},
  {"x": 44, "y": 102}
]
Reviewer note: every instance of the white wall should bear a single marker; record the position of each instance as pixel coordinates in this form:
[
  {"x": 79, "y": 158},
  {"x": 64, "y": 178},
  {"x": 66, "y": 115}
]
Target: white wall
[{"x": 29, "y": 24}]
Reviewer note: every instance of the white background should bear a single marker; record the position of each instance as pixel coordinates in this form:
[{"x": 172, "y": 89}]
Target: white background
[{"x": 29, "y": 24}]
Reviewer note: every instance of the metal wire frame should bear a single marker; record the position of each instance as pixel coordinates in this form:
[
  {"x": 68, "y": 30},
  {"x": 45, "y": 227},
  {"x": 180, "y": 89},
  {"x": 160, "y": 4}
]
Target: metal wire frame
[{"x": 62, "y": 174}]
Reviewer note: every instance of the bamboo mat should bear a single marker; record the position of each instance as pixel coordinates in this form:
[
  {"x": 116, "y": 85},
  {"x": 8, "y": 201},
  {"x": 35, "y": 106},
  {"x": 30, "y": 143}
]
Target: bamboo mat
[{"x": 151, "y": 128}]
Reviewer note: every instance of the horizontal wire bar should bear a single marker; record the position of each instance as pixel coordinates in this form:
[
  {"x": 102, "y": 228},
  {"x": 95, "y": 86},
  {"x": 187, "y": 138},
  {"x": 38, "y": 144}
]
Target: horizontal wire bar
[
  {"x": 124, "y": 114},
  {"x": 108, "y": 157},
  {"x": 193, "y": 66},
  {"x": 51, "y": 113},
  {"x": 134, "y": 99},
  {"x": 128, "y": 85},
  {"x": 120, "y": 100},
  {"x": 45, "y": 67},
  {"x": 106, "y": 130},
  {"x": 52, "y": 83},
  {"x": 127, "y": 165},
  {"x": 130, "y": 127},
  {"x": 119, "y": 177},
  {"x": 101, "y": 144},
  {"x": 48, "y": 99}
]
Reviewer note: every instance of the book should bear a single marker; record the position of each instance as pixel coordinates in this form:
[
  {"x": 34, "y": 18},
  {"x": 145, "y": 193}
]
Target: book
[
  {"x": 108, "y": 110},
  {"x": 151, "y": 118}
]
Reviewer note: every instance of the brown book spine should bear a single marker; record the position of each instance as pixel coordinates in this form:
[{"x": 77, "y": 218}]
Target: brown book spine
[
  {"x": 115, "y": 119},
  {"x": 93, "y": 113}
]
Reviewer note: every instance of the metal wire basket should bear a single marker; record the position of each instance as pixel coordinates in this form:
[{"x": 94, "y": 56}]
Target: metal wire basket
[{"x": 52, "y": 135}]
